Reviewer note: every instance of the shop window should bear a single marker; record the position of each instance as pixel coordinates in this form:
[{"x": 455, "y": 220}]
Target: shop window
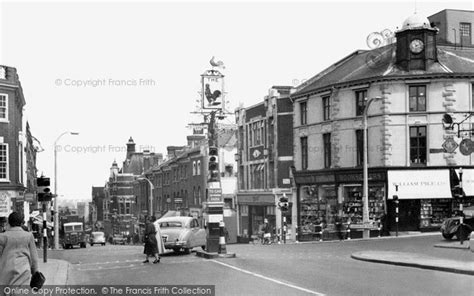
[
  {"x": 418, "y": 145},
  {"x": 312, "y": 210},
  {"x": 270, "y": 211},
  {"x": 417, "y": 97},
  {"x": 244, "y": 210}
]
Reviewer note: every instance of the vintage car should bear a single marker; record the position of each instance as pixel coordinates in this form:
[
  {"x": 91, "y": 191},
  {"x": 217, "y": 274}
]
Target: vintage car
[
  {"x": 452, "y": 227},
  {"x": 97, "y": 237},
  {"x": 181, "y": 233},
  {"x": 119, "y": 239}
]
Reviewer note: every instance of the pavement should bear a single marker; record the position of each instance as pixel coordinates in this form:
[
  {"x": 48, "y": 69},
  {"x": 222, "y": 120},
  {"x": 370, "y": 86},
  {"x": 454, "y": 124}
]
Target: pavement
[{"x": 55, "y": 271}]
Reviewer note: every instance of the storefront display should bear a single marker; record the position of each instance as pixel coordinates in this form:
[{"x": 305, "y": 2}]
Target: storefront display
[
  {"x": 353, "y": 206},
  {"x": 313, "y": 211},
  {"x": 433, "y": 212}
]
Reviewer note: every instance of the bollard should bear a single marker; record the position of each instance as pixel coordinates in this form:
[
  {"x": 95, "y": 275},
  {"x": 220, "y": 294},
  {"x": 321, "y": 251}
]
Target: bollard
[
  {"x": 348, "y": 230},
  {"x": 222, "y": 247}
]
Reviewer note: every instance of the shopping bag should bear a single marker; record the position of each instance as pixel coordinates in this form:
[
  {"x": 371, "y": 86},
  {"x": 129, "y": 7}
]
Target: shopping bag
[{"x": 37, "y": 280}]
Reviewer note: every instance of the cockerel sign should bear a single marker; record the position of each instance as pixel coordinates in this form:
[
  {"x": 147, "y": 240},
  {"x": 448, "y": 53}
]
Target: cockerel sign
[{"x": 212, "y": 87}]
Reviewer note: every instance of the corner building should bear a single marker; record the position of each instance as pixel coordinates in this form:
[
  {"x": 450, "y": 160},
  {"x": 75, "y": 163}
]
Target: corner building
[{"x": 411, "y": 83}]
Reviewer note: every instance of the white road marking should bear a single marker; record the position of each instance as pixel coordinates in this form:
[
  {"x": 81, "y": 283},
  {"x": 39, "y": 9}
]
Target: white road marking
[{"x": 269, "y": 279}]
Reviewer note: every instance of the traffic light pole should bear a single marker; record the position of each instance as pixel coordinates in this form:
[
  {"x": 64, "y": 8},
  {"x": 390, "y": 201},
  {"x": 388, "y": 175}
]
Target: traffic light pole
[
  {"x": 461, "y": 219},
  {"x": 396, "y": 210},
  {"x": 45, "y": 234}
]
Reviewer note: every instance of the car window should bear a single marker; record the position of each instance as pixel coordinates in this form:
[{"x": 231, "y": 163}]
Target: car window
[
  {"x": 67, "y": 228},
  {"x": 170, "y": 224},
  {"x": 77, "y": 227}
]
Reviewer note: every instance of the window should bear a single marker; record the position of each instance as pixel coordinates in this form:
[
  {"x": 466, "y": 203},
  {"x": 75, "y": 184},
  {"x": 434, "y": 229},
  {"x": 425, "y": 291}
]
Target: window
[
  {"x": 360, "y": 146},
  {"x": 465, "y": 33},
  {"x": 304, "y": 153},
  {"x": 361, "y": 96},
  {"x": 326, "y": 108},
  {"x": 198, "y": 167},
  {"x": 327, "y": 150},
  {"x": 417, "y": 94},
  {"x": 3, "y": 107},
  {"x": 418, "y": 144},
  {"x": 303, "y": 113},
  {"x": 4, "y": 161},
  {"x": 194, "y": 168}
]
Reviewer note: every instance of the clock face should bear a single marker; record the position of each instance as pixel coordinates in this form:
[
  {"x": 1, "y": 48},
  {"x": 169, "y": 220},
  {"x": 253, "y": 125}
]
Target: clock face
[{"x": 416, "y": 46}]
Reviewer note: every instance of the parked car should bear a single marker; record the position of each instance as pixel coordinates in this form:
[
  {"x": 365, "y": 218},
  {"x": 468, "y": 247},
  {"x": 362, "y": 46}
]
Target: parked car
[
  {"x": 119, "y": 239},
  {"x": 452, "y": 227},
  {"x": 182, "y": 233},
  {"x": 97, "y": 238}
]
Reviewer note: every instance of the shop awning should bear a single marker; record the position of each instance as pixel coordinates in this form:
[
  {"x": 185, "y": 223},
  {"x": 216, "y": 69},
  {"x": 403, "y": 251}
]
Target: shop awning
[{"x": 419, "y": 184}]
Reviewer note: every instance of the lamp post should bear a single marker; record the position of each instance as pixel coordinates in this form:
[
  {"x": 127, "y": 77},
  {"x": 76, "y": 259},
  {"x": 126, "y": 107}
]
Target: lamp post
[
  {"x": 365, "y": 194},
  {"x": 56, "y": 214},
  {"x": 150, "y": 196}
]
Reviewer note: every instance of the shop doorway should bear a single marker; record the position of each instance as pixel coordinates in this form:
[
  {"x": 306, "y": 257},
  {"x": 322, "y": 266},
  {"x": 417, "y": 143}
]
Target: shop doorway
[
  {"x": 256, "y": 216},
  {"x": 408, "y": 215}
]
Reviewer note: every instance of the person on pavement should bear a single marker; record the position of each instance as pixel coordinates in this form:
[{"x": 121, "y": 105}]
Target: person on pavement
[
  {"x": 266, "y": 231},
  {"x": 151, "y": 244},
  {"x": 18, "y": 255}
]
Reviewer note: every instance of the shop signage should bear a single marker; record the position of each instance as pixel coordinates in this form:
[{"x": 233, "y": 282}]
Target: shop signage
[
  {"x": 215, "y": 195},
  {"x": 30, "y": 197},
  {"x": 256, "y": 153},
  {"x": 450, "y": 145},
  {"x": 4, "y": 204},
  {"x": 257, "y": 199},
  {"x": 358, "y": 177},
  {"x": 215, "y": 218},
  {"x": 419, "y": 184},
  {"x": 315, "y": 179},
  {"x": 364, "y": 226}
]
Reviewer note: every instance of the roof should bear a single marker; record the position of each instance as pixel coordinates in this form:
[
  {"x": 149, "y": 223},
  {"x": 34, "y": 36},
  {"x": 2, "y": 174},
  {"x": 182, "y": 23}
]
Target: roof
[
  {"x": 379, "y": 64},
  {"x": 182, "y": 219}
]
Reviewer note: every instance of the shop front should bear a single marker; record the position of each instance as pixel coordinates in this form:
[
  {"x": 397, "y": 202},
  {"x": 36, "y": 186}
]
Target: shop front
[
  {"x": 425, "y": 199},
  {"x": 327, "y": 199},
  {"x": 254, "y": 207}
]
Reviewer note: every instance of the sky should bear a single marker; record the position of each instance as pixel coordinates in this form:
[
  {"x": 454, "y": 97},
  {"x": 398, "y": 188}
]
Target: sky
[{"x": 113, "y": 70}]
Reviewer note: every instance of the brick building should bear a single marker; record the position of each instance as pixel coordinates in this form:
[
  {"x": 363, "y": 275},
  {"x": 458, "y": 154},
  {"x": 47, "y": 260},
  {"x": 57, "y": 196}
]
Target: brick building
[{"x": 264, "y": 157}]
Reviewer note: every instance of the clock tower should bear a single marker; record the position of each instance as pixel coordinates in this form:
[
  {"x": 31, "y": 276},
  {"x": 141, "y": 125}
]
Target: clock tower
[{"x": 416, "y": 44}]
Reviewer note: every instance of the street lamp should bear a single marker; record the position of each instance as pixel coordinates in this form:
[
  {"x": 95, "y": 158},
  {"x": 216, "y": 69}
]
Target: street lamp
[
  {"x": 56, "y": 214},
  {"x": 150, "y": 196},
  {"x": 365, "y": 193}
]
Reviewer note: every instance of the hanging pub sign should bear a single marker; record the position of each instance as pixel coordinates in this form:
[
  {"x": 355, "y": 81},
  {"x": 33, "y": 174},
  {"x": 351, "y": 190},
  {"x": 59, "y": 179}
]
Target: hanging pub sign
[{"x": 212, "y": 87}]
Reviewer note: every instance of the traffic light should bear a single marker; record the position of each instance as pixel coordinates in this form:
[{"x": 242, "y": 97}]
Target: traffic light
[
  {"x": 283, "y": 204},
  {"x": 213, "y": 167},
  {"x": 44, "y": 193},
  {"x": 395, "y": 198}
]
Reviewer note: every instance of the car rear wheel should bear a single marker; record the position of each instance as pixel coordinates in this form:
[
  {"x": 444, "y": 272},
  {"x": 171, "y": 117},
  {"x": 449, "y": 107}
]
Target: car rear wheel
[
  {"x": 92, "y": 244},
  {"x": 187, "y": 250},
  {"x": 203, "y": 248}
]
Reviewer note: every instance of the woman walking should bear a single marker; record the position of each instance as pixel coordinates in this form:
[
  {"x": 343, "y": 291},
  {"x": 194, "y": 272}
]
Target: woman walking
[
  {"x": 151, "y": 244},
  {"x": 18, "y": 255}
]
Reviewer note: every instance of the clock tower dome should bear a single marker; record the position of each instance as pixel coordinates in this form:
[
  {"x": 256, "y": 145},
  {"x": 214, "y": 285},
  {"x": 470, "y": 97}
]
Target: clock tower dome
[{"x": 416, "y": 44}]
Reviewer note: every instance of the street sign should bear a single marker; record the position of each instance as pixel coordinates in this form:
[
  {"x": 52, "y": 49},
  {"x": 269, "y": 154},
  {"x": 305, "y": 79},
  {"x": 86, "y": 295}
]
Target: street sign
[
  {"x": 450, "y": 145},
  {"x": 466, "y": 147},
  {"x": 214, "y": 194}
]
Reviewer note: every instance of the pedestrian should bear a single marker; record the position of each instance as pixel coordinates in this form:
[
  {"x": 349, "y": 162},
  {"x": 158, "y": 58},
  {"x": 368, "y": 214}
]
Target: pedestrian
[
  {"x": 151, "y": 244},
  {"x": 384, "y": 224},
  {"x": 266, "y": 231},
  {"x": 18, "y": 255}
]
